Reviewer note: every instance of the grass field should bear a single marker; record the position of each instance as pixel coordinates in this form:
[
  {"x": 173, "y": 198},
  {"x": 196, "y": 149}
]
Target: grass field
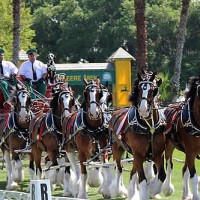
[{"x": 92, "y": 192}]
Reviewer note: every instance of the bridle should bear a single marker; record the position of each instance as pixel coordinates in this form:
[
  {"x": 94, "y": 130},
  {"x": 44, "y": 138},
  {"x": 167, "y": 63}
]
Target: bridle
[{"x": 92, "y": 88}]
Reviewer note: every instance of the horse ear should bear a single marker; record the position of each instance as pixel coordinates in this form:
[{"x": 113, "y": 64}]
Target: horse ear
[
  {"x": 106, "y": 85},
  {"x": 139, "y": 77},
  {"x": 18, "y": 86},
  {"x": 85, "y": 81},
  {"x": 153, "y": 76},
  {"x": 159, "y": 82},
  {"x": 98, "y": 80}
]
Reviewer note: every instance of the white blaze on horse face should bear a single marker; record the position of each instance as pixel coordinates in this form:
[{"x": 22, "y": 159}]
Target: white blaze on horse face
[
  {"x": 23, "y": 114},
  {"x": 93, "y": 105},
  {"x": 143, "y": 107},
  {"x": 66, "y": 101}
]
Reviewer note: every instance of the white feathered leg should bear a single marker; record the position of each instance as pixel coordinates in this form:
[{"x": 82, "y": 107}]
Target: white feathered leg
[
  {"x": 168, "y": 187},
  {"x": 11, "y": 185},
  {"x": 117, "y": 188},
  {"x": 186, "y": 188},
  {"x": 133, "y": 193},
  {"x": 194, "y": 185}
]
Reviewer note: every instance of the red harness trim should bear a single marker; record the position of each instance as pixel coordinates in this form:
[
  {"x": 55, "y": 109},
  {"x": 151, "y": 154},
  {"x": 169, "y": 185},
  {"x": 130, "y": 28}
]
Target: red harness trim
[{"x": 41, "y": 131}]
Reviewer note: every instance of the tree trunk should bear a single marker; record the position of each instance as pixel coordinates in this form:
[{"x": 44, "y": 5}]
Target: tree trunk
[
  {"x": 179, "y": 49},
  {"x": 16, "y": 31},
  {"x": 141, "y": 34}
]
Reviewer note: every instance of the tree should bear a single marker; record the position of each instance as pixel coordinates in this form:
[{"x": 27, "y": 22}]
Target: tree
[
  {"x": 141, "y": 44},
  {"x": 179, "y": 49},
  {"x": 16, "y": 30},
  {"x": 6, "y": 30}
]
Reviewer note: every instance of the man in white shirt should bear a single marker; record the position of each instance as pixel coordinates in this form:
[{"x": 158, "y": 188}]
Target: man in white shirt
[
  {"x": 33, "y": 72},
  {"x": 8, "y": 72}
]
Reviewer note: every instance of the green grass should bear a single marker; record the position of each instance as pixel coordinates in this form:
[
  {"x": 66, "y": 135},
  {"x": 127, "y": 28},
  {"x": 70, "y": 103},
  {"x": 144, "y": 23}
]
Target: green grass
[{"x": 92, "y": 192}]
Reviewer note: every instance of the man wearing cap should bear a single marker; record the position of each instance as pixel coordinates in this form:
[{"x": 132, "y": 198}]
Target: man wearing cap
[
  {"x": 8, "y": 72},
  {"x": 33, "y": 72}
]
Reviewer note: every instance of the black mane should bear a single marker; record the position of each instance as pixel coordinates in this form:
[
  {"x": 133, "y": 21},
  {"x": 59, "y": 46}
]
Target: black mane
[
  {"x": 134, "y": 93},
  {"x": 191, "y": 87},
  {"x": 54, "y": 101}
]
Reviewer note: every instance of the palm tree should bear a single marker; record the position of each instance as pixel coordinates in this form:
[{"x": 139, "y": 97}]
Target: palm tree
[
  {"x": 179, "y": 48},
  {"x": 16, "y": 30},
  {"x": 141, "y": 35}
]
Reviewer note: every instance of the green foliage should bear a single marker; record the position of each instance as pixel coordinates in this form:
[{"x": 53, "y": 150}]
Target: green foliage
[
  {"x": 84, "y": 29},
  {"x": 165, "y": 88},
  {"x": 6, "y": 34},
  {"x": 93, "y": 30},
  {"x": 162, "y": 31}
]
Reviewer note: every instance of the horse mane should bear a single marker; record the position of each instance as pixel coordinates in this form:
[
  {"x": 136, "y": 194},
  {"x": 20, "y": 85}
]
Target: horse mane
[
  {"x": 54, "y": 101},
  {"x": 14, "y": 92},
  {"x": 134, "y": 93},
  {"x": 190, "y": 93}
]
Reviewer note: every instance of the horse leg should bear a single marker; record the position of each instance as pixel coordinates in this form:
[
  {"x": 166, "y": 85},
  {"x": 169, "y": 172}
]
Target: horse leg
[
  {"x": 74, "y": 174},
  {"x": 37, "y": 153},
  {"x": 95, "y": 177},
  {"x": 117, "y": 188},
  {"x": 156, "y": 185},
  {"x": 168, "y": 187},
  {"x": 149, "y": 170},
  {"x": 53, "y": 174},
  {"x": 186, "y": 188},
  {"x": 31, "y": 170},
  {"x": 82, "y": 194},
  {"x": 17, "y": 170},
  {"x": 190, "y": 160},
  {"x": 11, "y": 185},
  {"x": 133, "y": 192},
  {"x": 138, "y": 162}
]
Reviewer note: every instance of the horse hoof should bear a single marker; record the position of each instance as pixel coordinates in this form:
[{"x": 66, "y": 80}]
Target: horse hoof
[
  {"x": 157, "y": 196},
  {"x": 13, "y": 186},
  {"x": 168, "y": 191},
  {"x": 67, "y": 194},
  {"x": 187, "y": 198}
]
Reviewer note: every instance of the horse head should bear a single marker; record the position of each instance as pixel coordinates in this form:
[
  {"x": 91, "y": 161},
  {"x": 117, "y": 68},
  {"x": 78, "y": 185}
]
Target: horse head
[
  {"x": 146, "y": 90},
  {"x": 92, "y": 95},
  {"x": 22, "y": 103},
  {"x": 63, "y": 99},
  {"x": 106, "y": 99},
  {"x": 193, "y": 90}
]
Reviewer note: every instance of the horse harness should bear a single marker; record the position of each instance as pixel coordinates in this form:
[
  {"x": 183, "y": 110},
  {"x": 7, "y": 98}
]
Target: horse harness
[
  {"x": 138, "y": 125},
  {"x": 75, "y": 123},
  {"x": 45, "y": 121},
  {"x": 14, "y": 129},
  {"x": 183, "y": 114}
]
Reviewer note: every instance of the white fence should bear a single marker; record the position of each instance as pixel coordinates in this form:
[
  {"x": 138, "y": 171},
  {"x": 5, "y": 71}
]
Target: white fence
[{"x": 11, "y": 195}]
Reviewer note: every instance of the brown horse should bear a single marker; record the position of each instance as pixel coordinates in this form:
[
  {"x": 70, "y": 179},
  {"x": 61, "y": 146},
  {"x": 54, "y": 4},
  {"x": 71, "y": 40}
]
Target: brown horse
[
  {"x": 85, "y": 131},
  {"x": 183, "y": 133},
  {"x": 139, "y": 130},
  {"x": 45, "y": 129},
  {"x": 15, "y": 137}
]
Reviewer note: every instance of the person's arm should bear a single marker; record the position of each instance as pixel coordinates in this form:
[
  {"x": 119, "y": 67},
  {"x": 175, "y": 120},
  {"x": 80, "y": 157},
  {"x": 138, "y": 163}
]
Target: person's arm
[
  {"x": 44, "y": 71},
  {"x": 21, "y": 72},
  {"x": 13, "y": 68}
]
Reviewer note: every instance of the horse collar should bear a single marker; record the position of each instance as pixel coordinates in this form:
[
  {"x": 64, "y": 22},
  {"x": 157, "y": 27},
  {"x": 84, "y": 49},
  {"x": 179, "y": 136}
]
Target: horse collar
[
  {"x": 135, "y": 121},
  {"x": 187, "y": 120}
]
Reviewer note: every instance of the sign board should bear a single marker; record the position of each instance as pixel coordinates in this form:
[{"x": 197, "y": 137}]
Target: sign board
[{"x": 40, "y": 190}]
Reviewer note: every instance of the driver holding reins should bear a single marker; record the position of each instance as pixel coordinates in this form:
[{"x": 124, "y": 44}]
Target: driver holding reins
[{"x": 33, "y": 72}]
